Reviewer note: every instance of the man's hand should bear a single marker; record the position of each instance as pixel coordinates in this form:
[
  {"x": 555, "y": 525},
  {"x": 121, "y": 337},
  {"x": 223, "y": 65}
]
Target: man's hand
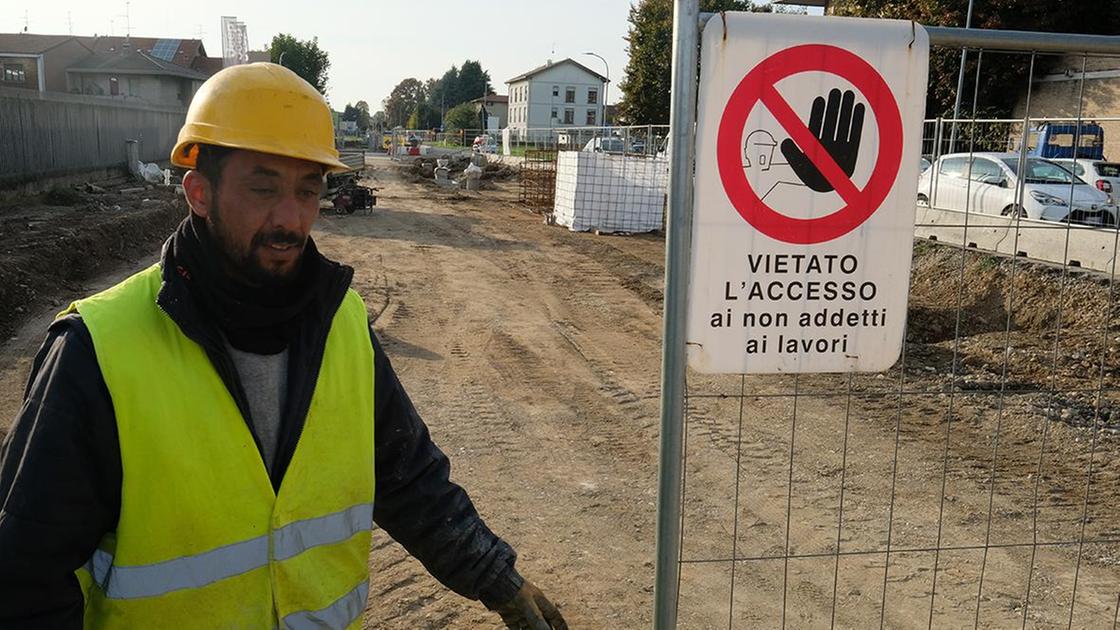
[{"x": 530, "y": 610}]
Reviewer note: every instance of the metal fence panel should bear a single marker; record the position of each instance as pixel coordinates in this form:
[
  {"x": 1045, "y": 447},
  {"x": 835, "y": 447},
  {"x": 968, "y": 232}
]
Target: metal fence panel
[{"x": 977, "y": 482}]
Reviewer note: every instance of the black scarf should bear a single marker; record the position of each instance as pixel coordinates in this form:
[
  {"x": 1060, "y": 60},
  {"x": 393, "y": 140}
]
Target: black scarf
[{"x": 253, "y": 319}]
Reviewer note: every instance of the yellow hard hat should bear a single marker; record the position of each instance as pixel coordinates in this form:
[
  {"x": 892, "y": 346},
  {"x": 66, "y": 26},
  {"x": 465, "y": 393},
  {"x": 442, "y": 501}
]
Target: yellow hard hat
[{"x": 260, "y": 107}]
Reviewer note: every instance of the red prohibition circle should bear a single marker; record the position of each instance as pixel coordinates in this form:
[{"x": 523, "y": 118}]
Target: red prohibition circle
[{"x": 757, "y": 88}]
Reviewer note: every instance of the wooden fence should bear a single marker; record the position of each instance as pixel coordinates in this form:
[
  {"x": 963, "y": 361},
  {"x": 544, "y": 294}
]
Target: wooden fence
[{"x": 45, "y": 134}]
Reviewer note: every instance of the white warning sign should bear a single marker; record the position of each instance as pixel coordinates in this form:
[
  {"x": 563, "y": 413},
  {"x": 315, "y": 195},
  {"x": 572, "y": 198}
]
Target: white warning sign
[{"x": 807, "y": 148}]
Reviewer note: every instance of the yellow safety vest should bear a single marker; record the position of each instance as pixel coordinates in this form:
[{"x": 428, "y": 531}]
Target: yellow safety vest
[{"x": 203, "y": 541}]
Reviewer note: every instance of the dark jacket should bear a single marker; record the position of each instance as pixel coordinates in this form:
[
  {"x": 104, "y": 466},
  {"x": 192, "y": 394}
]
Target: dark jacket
[{"x": 60, "y": 467}]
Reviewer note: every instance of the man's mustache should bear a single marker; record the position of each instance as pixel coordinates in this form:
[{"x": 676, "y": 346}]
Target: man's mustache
[{"x": 279, "y": 237}]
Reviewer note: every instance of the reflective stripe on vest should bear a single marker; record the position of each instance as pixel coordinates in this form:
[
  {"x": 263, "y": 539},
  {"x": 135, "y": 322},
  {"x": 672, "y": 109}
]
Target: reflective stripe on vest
[
  {"x": 203, "y": 540},
  {"x": 150, "y": 580},
  {"x": 338, "y": 615}
]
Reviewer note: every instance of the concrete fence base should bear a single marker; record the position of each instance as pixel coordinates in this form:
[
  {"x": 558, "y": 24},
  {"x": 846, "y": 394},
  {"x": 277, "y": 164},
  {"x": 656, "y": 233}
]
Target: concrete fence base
[{"x": 1059, "y": 243}]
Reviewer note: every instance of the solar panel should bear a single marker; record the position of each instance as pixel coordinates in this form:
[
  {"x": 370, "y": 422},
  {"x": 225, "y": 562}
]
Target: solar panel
[{"x": 165, "y": 49}]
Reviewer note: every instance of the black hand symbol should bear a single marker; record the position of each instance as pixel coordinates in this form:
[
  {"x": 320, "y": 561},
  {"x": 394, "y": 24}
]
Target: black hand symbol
[{"x": 838, "y": 127}]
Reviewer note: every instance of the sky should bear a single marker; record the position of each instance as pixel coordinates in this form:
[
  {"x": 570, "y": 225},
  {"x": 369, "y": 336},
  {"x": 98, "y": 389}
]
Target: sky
[{"x": 373, "y": 44}]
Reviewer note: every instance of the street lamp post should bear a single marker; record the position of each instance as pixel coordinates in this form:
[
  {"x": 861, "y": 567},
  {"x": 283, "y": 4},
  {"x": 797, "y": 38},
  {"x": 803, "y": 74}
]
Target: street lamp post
[
  {"x": 605, "y": 85},
  {"x": 960, "y": 86}
]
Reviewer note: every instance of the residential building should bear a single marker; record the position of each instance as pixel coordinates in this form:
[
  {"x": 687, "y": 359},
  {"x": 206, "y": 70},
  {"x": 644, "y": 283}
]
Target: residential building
[
  {"x": 44, "y": 62},
  {"x": 135, "y": 75},
  {"x": 495, "y": 105},
  {"x": 561, "y": 94},
  {"x": 189, "y": 53},
  {"x": 38, "y": 62}
]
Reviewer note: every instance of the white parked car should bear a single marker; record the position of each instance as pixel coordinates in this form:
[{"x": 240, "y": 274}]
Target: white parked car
[
  {"x": 989, "y": 185},
  {"x": 606, "y": 144},
  {"x": 1104, "y": 175}
]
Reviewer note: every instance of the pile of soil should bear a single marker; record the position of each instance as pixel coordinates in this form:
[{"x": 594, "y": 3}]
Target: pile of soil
[
  {"x": 47, "y": 250},
  {"x": 422, "y": 169},
  {"x": 497, "y": 171},
  {"x": 1049, "y": 338},
  {"x": 990, "y": 289}
]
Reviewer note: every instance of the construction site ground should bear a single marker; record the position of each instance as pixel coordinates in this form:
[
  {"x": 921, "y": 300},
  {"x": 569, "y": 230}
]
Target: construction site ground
[{"x": 533, "y": 353}]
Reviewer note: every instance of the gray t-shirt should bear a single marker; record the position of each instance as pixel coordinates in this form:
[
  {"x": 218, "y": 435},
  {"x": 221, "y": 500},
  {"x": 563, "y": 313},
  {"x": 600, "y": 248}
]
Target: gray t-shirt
[{"x": 265, "y": 380}]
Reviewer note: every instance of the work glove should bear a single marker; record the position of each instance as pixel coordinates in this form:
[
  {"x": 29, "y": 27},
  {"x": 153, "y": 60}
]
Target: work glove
[{"x": 530, "y": 610}]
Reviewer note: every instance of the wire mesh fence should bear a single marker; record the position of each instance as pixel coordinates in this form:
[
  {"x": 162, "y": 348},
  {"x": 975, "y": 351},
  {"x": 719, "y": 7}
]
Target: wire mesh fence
[
  {"x": 537, "y": 180},
  {"x": 631, "y": 141},
  {"x": 976, "y": 483},
  {"x": 607, "y": 179}
]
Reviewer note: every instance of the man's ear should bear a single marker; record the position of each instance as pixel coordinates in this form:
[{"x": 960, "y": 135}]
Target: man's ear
[{"x": 199, "y": 192}]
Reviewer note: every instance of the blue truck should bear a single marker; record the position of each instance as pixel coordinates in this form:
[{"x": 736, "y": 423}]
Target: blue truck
[{"x": 1056, "y": 140}]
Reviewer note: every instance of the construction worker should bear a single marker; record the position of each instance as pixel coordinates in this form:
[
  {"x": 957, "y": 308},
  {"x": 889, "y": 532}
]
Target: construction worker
[{"x": 208, "y": 443}]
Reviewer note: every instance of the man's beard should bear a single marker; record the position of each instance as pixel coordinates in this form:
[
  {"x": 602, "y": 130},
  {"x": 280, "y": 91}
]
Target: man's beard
[{"x": 246, "y": 266}]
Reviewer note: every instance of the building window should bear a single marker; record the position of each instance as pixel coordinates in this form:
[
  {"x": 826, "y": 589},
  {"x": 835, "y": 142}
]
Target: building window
[
  {"x": 13, "y": 72},
  {"x": 570, "y": 95},
  {"x": 590, "y": 117},
  {"x": 569, "y": 116},
  {"x": 555, "y": 113},
  {"x": 556, "y": 90},
  {"x": 592, "y": 96},
  {"x": 114, "y": 86}
]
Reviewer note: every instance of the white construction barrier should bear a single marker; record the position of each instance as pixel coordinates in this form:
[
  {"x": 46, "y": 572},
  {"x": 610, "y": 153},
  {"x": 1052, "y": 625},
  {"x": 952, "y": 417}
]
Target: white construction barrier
[
  {"x": 1075, "y": 245},
  {"x": 610, "y": 193}
]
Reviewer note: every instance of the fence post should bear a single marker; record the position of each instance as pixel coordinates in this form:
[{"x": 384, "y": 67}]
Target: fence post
[
  {"x": 132, "y": 154},
  {"x": 937, "y": 137},
  {"x": 678, "y": 237}
]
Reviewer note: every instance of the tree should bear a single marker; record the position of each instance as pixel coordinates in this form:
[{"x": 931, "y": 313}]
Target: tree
[
  {"x": 402, "y": 101},
  {"x": 358, "y": 113},
  {"x": 645, "y": 90},
  {"x": 305, "y": 58},
  {"x": 462, "y": 116},
  {"x": 422, "y": 104},
  {"x": 474, "y": 82},
  {"x": 443, "y": 92},
  {"x": 362, "y": 117},
  {"x": 378, "y": 120},
  {"x": 1004, "y": 76},
  {"x": 424, "y": 117},
  {"x": 459, "y": 85}
]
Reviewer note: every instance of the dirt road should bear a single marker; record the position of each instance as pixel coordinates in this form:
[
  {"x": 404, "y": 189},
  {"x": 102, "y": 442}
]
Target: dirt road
[{"x": 533, "y": 354}]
